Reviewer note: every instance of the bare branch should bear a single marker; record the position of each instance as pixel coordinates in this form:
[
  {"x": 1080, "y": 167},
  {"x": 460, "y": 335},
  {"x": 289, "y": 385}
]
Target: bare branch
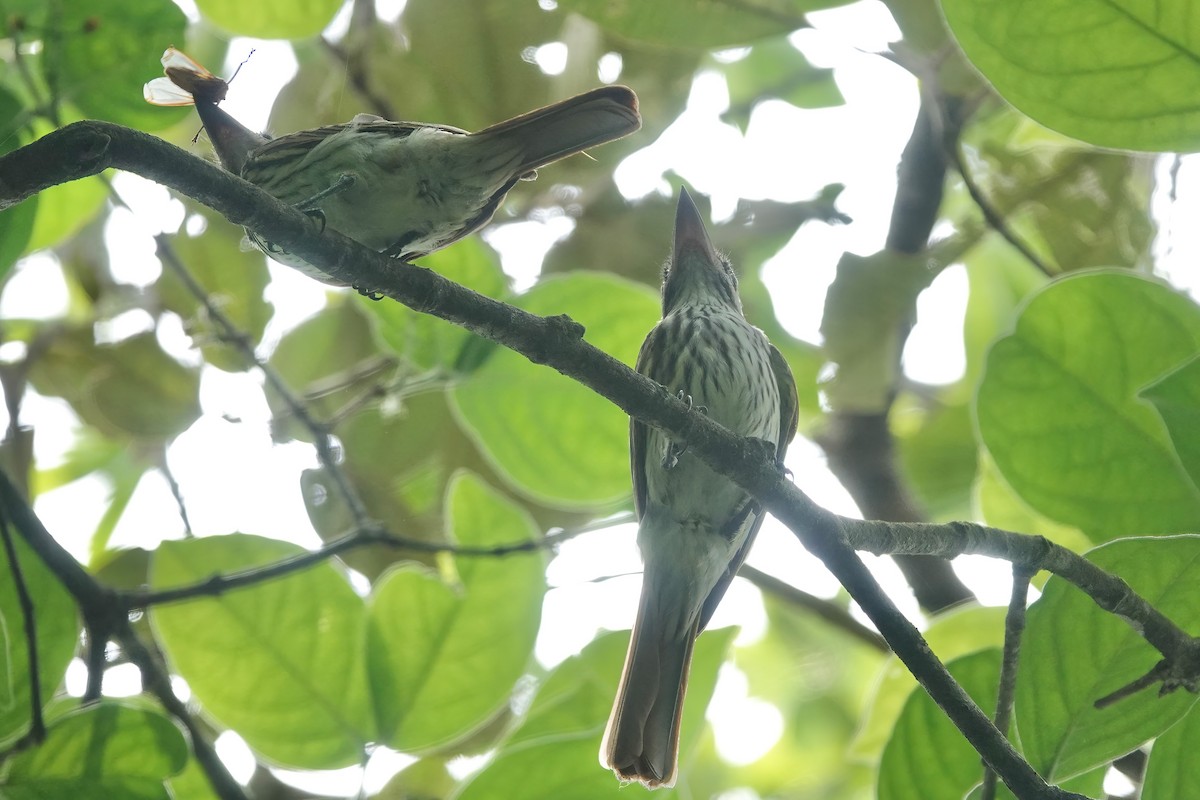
[
  {"x": 835, "y": 615},
  {"x": 1014, "y": 628},
  {"x": 220, "y": 584},
  {"x": 37, "y": 725}
]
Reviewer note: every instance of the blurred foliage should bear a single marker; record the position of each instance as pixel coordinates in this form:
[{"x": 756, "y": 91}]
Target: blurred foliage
[{"x": 1076, "y": 418}]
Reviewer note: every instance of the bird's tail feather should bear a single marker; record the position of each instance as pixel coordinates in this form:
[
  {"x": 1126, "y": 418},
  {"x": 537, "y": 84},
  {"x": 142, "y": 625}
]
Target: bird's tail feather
[
  {"x": 571, "y": 126},
  {"x": 641, "y": 742}
]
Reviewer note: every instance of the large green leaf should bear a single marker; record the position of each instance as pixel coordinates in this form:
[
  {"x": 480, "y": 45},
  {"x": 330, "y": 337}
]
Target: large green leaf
[
  {"x": 868, "y": 307},
  {"x": 332, "y": 355},
  {"x": 234, "y": 280},
  {"x": 776, "y": 69},
  {"x": 1059, "y": 410},
  {"x": 271, "y": 19},
  {"x": 552, "y": 753},
  {"x": 927, "y": 757},
  {"x": 1000, "y": 507},
  {"x": 463, "y": 61},
  {"x": 1174, "y": 771},
  {"x": 951, "y": 635},
  {"x": 16, "y": 223},
  {"x": 64, "y": 209},
  {"x": 100, "y": 752},
  {"x": 1000, "y": 279},
  {"x": 939, "y": 459},
  {"x": 425, "y": 341},
  {"x": 130, "y": 388},
  {"x": 554, "y": 439},
  {"x": 1116, "y": 74},
  {"x": 443, "y": 659},
  {"x": 57, "y": 636},
  {"x": 698, "y": 24},
  {"x": 109, "y": 49},
  {"x": 280, "y": 662},
  {"x": 1074, "y": 653},
  {"x": 1077, "y": 207},
  {"x": 1177, "y": 399}
]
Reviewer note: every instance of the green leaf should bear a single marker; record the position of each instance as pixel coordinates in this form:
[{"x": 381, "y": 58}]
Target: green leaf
[
  {"x": 554, "y": 439},
  {"x": 927, "y": 756},
  {"x": 1074, "y": 653},
  {"x": 280, "y": 662},
  {"x": 1000, "y": 279},
  {"x": 234, "y": 280},
  {"x": 952, "y": 634},
  {"x": 1117, "y": 75},
  {"x": 131, "y": 388},
  {"x": 426, "y": 341},
  {"x": 1173, "y": 770},
  {"x": 64, "y": 209},
  {"x": 333, "y": 355},
  {"x": 271, "y": 19},
  {"x": 1058, "y": 407},
  {"x": 866, "y": 308},
  {"x": 695, "y": 24},
  {"x": 1000, "y": 507},
  {"x": 100, "y": 752},
  {"x": 939, "y": 459},
  {"x": 444, "y": 659},
  {"x": 16, "y": 223},
  {"x": 776, "y": 69},
  {"x": 57, "y": 636},
  {"x": 552, "y": 753},
  {"x": 1077, "y": 207},
  {"x": 1177, "y": 399},
  {"x": 192, "y": 784},
  {"x": 109, "y": 49}
]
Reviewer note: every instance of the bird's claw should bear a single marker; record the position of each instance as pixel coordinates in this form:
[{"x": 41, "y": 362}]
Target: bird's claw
[
  {"x": 370, "y": 294},
  {"x": 343, "y": 182},
  {"x": 671, "y": 457},
  {"x": 318, "y": 215}
]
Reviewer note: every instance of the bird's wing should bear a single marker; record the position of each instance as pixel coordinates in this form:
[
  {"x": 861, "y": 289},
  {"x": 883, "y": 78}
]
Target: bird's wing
[
  {"x": 752, "y": 513},
  {"x": 639, "y": 432}
]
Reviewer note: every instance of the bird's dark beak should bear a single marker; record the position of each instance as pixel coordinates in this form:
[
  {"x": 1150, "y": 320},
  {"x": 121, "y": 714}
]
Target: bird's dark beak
[
  {"x": 691, "y": 239},
  {"x": 233, "y": 141}
]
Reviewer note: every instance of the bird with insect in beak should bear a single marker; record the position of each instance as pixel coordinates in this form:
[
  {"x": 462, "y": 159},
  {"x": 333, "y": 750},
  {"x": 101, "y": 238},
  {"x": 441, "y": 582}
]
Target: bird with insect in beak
[
  {"x": 402, "y": 188},
  {"x": 694, "y": 525}
]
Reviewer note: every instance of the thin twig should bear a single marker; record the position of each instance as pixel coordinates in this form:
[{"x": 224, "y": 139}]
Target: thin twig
[
  {"x": 220, "y": 584},
  {"x": 834, "y": 614},
  {"x": 164, "y": 469},
  {"x": 230, "y": 333},
  {"x": 1014, "y": 629},
  {"x": 37, "y": 724},
  {"x": 992, "y": 215}
]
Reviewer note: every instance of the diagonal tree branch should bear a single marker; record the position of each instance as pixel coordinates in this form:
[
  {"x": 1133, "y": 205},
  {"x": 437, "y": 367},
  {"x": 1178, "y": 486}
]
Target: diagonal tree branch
[
  {"x": 37, "y": 724},
  {"x": 101, "y": 607},
  {"x": 85, "y": 148}
]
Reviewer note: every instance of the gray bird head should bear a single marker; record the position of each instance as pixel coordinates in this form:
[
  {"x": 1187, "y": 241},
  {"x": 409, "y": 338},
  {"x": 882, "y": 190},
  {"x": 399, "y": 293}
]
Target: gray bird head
[{"x": 696, "y": 274}]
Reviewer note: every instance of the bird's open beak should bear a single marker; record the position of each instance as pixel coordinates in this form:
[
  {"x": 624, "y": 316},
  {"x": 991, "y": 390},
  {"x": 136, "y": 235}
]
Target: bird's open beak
[{"x": 690, "y": 236}]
